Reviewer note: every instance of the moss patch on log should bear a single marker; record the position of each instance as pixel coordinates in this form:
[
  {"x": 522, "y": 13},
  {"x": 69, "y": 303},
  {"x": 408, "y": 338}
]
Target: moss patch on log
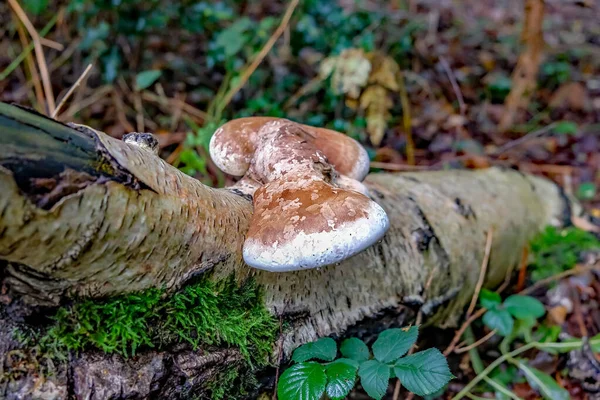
[{"x": 203, "y": 313}]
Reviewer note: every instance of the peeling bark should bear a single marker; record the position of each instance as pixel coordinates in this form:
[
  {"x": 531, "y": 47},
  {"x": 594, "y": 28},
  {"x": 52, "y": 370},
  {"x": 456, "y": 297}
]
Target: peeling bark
[{"x": 115, "y": 219}]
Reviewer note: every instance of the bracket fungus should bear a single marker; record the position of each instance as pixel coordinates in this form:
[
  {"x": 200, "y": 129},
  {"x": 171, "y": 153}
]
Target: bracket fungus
[{"x": 310, "y": 208}]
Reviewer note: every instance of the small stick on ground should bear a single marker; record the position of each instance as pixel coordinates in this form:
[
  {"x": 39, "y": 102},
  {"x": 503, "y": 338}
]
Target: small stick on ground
[
  {"x": 523, "y": 269},
  {"x": 397, "y": 167},
  {"x": 461, "y": 330},
  {"x": 71, "y": 90},
  {"x": 460, "y": 350},
  {"x": 455, "y": 86},
  {"x": 406, "y": 120},
  {"x": 39, "y": 53},
  {"x": 524, "y": 77},
  {"x": 483, "y": 270},
  {"x": 577, "y": 270}
]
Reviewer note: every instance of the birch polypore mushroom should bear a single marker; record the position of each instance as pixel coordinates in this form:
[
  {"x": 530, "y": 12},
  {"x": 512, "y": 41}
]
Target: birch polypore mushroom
[{"x": 305, "y": 214}]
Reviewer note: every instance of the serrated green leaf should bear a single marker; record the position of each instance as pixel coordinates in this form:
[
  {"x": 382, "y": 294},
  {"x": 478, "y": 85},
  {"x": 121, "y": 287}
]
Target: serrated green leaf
[
  {"x": 304, "y": 381},
  {"x": 424, "y": 372},
  {"x": 323, "y": 349},
  {"x": 374, "y": 378},
  {"x": 523, "y": 307},
  {"x": 394, "y": 343},
  {"x": 354, "y": 349},
  {"x": 341, "y": 377},
  {"x": 144, "y": 79},
  {"x": 499, "y": 319},
  {"x": 543, "y": 383},
  {"x": 489, "y": 299},
  {"x": 348, "y": 361}
]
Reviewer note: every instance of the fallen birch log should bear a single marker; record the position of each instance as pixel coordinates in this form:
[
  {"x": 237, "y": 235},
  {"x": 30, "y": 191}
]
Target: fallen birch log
[{"x": 86, "y": 215}]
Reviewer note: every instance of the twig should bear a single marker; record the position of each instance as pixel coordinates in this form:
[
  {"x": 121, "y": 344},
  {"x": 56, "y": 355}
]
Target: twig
[
  {"x": 397, "y": 167},
  {"x": 98, "y": 95},
  {"x": 575, "y": 271},
  {"x": 577, "y": 312},
  {"x": 455, "y": 86},
  {"x": 482, "y": 271},
  {"x": 406, "y": 120},
  {"x": 460, "y": 332},
  {"x": 528, "y": 136},
  {"x": 139, "y": 112},
  {"x": 39, "y": 53},
  {"x": 71, "y": 90},
  {"x": 460, "y": 350},
  {"x": 523, "y": 269},
  {"x": 35, "y": 77},
  {"x": 51, "y": 43},
  {"x": 259, "y": 57},
  {"x": 174, "y": 102},
  {"x": 491, "y": 367},
  {"x": 525, "y": 73}
]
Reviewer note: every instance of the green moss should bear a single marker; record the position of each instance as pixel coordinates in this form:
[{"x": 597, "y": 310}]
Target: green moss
[
  {"x": 206, "y": 312},
  {"x": 556, "y": 250}
]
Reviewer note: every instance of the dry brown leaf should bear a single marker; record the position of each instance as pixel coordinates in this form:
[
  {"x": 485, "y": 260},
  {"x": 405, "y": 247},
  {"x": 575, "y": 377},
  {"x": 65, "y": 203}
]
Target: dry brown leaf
[
  {"x": 376, "y": 102},
  {"x": 349, "y": 72},
  {"x": 384, "y": 71}
]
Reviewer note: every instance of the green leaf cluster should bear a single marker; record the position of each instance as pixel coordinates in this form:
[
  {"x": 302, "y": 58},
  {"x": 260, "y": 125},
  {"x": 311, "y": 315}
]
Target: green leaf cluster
[
  {"x": 206, "y": 312},
  {"x": 423, "y": 373},
  {"x": 501, "y": 315}
]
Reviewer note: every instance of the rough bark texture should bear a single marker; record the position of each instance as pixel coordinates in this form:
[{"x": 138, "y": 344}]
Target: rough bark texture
[{"x": 107, "y": 218}]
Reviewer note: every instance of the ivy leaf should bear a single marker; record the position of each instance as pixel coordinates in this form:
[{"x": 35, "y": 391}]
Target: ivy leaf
[
  {"x": 394, "y": 343},
  {"x": 144, "y": 79},
  {"x": 523, "y": 307},
  {"x": 341, "y": 376},
  {"x": 565, "y": 128},
  {"x": 323, "y": 349},
  {"x": 355, "y": 349},
  {"x": 424, "y": 372},
  {"x": 374, "y": 378},
  {"x": 499, "y": 319},
  {"x": 489, "y": 299},
  {"x": 304, "y": 381},
  {"x": 543, "y": 383}
]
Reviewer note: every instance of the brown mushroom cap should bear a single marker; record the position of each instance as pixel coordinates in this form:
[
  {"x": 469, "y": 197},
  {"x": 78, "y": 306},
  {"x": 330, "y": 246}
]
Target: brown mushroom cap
[
  {"x": 304, "y": 222},
  {"x": 305, "y": 214},
  {"x": 233, "y": 145}
]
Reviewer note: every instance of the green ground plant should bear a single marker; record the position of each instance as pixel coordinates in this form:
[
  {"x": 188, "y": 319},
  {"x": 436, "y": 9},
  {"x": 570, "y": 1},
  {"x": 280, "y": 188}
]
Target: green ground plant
[
  {"x": 557, "y": 250},
  {"x": 423, "y": 373}
]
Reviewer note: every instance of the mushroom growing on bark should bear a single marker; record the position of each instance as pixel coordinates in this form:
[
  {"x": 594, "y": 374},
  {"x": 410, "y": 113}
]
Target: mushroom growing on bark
[{"x": 310, "y": 208}]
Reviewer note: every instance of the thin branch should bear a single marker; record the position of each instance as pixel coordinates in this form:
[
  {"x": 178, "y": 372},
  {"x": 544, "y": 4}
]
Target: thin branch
[
  {"x": 39, "y": 53},
  {"x": 528, "y": 136},
  {"x": 460, "y": 350},
  {"x": 406, "y": 120},
  {"x": 483, "y": 270},
  {"x": 71, "y": 90},
  {"x": 397, "y": 167},
  {"x": 460, "y": 332},
  {"x": 578, "y": 270},
  {"x": 455, "y": 86},
  {"x": 260, "y": 56}
]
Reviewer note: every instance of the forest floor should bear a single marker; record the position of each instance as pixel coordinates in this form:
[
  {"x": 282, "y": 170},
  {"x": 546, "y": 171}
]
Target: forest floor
[{"x": 421, "y": 84}]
